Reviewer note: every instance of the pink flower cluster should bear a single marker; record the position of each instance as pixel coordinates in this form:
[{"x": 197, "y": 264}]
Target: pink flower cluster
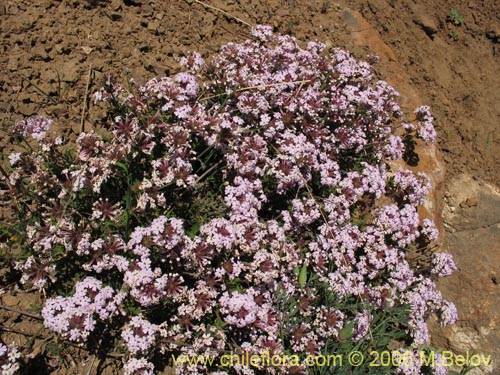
[
  {"x": 443, "y": 264},
  {"x": 139, "y": 335},
  {"x": 414, "y": 187},
  {"x": 9, "y": 359},
  {"x": 410, "y": 362},
  {"x": 425, "y": 127},
  {"x": 36, "y": 127},
  {"x": 138, "y": 367},
  {"x": 75, "y": 317},
  {"x": 246, "y": 204}
]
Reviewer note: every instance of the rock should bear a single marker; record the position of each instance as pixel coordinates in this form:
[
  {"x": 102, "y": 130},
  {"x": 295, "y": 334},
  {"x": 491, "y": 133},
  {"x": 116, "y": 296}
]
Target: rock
[
  {"x": 98, "y": 64},
  {"x": 49, "y": 75},
  {"x": 28, "y": 300},
  {"x": 27, "y": 109},
  {"x": 62, "y": 49},
  {"x": 474, "y": 287},
  {"x": 5, "y": 107},
  {"x": 476, "y": 204},
  {"x": 470, "y": 202},
  {"x": 420, "y": 17},
  {"x": 59, "y": 110},
  {"x": 115, "y": 17},
  {"x": 70, "y": 71},
  {"x": 153, "y": 25},
  {"x": 427, "y": 24},
  {"x": 3, "y": 8},
  {"x": 13, "y": 63},
  {"x": 39, "y": 53},
  {"x": 87, "y": 50},
  {"x": 97, "y": 115},
  {"x": 378, "y": 7},
  {"x": 116, "y": 5},
  {"x": 493, "y": 35},
  {"x": 147, "y": 11},
  {"x": 10, "y": 300},
  {"x": 145, "y": 48}
]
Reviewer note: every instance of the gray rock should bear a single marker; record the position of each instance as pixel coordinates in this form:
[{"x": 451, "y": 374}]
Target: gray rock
[{"x": 472, "y": 219}]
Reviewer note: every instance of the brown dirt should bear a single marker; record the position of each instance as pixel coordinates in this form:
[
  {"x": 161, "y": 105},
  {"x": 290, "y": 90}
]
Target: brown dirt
[{"x": 50, "y": 47}]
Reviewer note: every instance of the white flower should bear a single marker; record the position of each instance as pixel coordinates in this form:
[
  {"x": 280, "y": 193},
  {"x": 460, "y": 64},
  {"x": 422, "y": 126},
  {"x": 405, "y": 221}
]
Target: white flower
[{"x": 14, "y": 157}]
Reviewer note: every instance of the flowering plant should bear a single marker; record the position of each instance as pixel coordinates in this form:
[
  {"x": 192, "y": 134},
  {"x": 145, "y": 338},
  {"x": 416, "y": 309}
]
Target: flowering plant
[
  {"x": 9, "y": 357},
  {"x": 246, "y": 204}
]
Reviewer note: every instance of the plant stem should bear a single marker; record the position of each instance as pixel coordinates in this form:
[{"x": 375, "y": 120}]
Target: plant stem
[
  {"x": 85, "y": 100},
  {"x": 25, "y": 313}
]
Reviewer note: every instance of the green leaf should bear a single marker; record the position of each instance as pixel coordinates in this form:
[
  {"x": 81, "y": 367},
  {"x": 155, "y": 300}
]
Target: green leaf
[
  {"x": 303, "y": 276},
  {"x": 220, "y": 323},
  {"x": 35, "y": 308},
  {"x": 121, "y": 165},
  {"x": 194, "y": 230},
  {"x": 347, "y": 332},
  {"x": 58, "y": 250}
]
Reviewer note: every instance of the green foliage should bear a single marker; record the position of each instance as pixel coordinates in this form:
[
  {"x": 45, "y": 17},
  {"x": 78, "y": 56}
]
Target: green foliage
[
  {"x": 325, "y": 6},
  {"x": 386, "y": 329},
  {"x": 455, "y": 18},
  {"x": 455, "y": 35}
]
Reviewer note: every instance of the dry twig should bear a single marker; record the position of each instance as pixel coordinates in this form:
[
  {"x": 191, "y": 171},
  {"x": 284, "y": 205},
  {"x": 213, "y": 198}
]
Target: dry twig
[
  {"x": 85, "y": 100},
  {"x": 223, "y": 12},
  {"x": 25, "y": 313}
]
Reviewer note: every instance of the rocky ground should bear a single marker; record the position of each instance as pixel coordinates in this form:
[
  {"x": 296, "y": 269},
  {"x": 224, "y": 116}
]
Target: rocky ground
[
  {"x": 55, "y": 53},
  {"x": 472, "y": 222}
]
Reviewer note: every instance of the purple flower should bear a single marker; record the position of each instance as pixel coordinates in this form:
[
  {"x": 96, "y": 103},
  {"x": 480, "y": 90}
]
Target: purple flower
[
  {"x": 395, "y": 148},
  {"x": 9, "y": 359},
  {"x": 363, "y": 321},
  {"x": 263, "y": 32},
  {"x": 440, "y": 367},
  {"x": 443, "y": 264},
  {"x": 447, "y": 313},
  {"x": 75, "y": 317},
  {"x": 14, "y": 157},
  {"x": 414, "y": 187},
  {"x": 193, "y": 61},
  {"x": 429, "y": 230},
  {"x": 240, "y": 308},
  {"x": 247, "y": 201},
  {"x": 138, "y": 366},
  {"x": 425, "y": 126},
  {"x": 139, "y": 335},
  {"x": 36, "y": 127}
]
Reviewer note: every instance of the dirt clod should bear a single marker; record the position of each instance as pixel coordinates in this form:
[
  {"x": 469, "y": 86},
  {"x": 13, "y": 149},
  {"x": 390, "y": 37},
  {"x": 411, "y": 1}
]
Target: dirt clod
[{"x": 10, "y": 300}]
